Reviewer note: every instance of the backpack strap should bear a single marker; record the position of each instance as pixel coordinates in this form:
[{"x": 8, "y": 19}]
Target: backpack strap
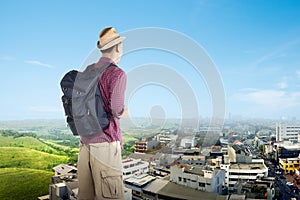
[{"x": 98, "y": 69}]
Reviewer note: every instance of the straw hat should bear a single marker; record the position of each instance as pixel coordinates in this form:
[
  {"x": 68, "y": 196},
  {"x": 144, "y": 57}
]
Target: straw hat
[{"x": 109, "y": 38}]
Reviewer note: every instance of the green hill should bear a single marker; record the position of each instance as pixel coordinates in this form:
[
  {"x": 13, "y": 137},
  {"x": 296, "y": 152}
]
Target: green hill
[
  {"x": 28, "y": 142},
  {"x": 28, "y": 158},
  {"x": 26, "y": 166},
  {"x": 27, "y": 184}
]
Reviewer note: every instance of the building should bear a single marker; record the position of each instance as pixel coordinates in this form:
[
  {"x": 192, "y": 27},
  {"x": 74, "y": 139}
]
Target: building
[
  {"x": 134, "y": 166},
  {"x": 198, "y": 177},
  {"x": 64, "y": 169},
  {"x": 244, "y": 172},
  {"x": 150, "y": 188},
  {"x": 287, "y": 151},
  {"x": 178, "y": 192},
  {"x": 188, "y": 142},
  {"x": 145, "y": 145},
  {"x": 164, "y": 139},
  {"x": 165, "y": 160},
  {"x": 268, "y": 149},
  {"x": 192, "y": 160},
  {"x": 287, "y": 132},
  {"x": 289, "y": 165},
  {"x": 64, "y": 184},
  {"x": 238, "y": 153},
  {"x": 137, "y": 183},
  {"x": 216, "y": 151},
  {"x": 258, "y": 189}
]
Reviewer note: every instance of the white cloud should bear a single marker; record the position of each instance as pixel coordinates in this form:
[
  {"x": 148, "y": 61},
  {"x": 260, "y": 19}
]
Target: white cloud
[
  {"x": 35, "y": 62},
  {"x": 283, "y": 84},
  {"x": 270, "y": 99}
]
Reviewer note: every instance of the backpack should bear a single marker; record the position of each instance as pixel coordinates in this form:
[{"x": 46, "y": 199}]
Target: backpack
[{"x": 82, "y": 101}]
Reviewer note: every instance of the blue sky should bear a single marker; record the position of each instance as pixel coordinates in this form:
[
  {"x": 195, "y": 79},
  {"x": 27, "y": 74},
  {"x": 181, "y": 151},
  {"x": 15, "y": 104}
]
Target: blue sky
[{"x": 255, "y": 46}]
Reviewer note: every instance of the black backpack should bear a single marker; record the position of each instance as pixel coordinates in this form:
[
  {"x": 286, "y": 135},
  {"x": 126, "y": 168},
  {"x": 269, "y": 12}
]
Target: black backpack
[{"x": 82, "y": 101}]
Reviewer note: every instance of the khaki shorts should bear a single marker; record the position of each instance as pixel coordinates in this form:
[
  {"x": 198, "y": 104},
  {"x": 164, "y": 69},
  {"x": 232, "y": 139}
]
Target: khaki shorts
[{"x": 100, "y": 173}]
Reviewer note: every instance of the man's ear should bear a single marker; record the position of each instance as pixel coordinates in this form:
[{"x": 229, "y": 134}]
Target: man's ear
[{"x": 117, "y": 48}]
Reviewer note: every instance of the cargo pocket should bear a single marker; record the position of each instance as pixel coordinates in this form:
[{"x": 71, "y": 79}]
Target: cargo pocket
[{"x": 112, "y": 184}]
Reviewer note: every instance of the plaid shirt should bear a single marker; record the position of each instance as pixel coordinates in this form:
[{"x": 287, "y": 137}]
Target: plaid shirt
[{"x": 112, "y": 85}]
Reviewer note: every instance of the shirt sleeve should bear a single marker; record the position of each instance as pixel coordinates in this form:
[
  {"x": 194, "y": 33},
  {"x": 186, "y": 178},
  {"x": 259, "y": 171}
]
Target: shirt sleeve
[{"x": 117, "y": 96}]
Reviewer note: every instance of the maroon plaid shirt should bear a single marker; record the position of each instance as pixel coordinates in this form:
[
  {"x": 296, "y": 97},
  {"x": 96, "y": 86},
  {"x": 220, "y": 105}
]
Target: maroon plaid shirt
[{"x": 112, "y": 85}]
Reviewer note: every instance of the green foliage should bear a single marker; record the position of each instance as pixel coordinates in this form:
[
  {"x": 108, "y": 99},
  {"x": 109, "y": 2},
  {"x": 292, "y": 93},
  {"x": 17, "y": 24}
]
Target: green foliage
[
  {"x": 19, "y": 183},
  {"x": 128, "y": 149},
  {"x": 262, "y": 148},
  {"x": 259, "y": 189},
  {"x": 67, "y": 138},
  {"x": 17, "y": 134}
]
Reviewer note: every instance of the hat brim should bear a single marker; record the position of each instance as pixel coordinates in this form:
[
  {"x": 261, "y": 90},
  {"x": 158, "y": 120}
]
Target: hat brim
[{"x": 111, "y": 43}]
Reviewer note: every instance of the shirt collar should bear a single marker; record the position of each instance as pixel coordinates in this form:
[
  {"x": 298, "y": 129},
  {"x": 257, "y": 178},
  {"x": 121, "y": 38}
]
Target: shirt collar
[{"x": 103, "y": 60}]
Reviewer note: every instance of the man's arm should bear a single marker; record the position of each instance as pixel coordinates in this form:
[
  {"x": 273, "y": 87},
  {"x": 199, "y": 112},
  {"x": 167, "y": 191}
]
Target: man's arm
[{"x": 117, "y": 96}]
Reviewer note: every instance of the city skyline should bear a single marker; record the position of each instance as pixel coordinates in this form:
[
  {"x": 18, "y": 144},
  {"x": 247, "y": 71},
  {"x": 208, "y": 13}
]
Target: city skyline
[{"x": 254, "y": 46}]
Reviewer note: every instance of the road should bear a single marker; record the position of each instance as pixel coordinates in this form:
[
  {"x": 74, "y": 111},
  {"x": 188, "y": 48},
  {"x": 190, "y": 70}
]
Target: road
[{"x": 285, "y": 192}]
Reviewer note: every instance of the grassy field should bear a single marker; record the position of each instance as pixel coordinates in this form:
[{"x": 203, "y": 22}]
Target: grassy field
[
  {"x": 28, "y": 158},
  {"x": 20, "y": 183},
  {"x": 127, "y": 138},
  {"x": 28, "y": 142},
  {"x": 26, "y": 166}
]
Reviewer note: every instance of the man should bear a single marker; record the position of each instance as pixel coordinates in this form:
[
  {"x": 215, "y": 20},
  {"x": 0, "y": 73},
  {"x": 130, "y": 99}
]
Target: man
[{"x": 99, "y": 159}]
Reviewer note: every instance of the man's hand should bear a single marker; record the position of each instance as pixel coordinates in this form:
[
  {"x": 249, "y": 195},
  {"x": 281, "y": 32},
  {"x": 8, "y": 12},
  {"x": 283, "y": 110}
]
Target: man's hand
[{"x": 125, "y": 113}]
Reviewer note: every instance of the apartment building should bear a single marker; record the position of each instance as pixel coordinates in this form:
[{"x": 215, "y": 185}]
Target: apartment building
[
  {"x": 147, "y": 187},
  {"x": 287, "y": 151},
  {"x": 287, "y": 132},
  {"x": 240, "y": 167},
  {"x": 198, "y": 177},
  {"x": 134, "y": 166},
  {"x": 289, "y": 165},
  {"x": 244, "y": 172},
  {"x": 163, "y": 138},
  {"x": 136, "y": 184},
  {"x": 144, "y": 145}
]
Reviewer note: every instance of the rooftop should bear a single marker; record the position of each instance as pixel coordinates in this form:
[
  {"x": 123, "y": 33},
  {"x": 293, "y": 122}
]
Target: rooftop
[
  {"x": 140, "y": 180},
  {"x": 145, "y": 157},
  {"x": 176, "y": 191},
  {"x": 156, "y": 185},
  {"x": 64, "y": 169},
  {"x": 247, "y": 166}
]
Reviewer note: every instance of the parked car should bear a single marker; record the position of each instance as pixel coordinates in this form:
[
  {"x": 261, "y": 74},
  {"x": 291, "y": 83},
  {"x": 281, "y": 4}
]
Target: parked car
[{"x": 289, "y": 183}]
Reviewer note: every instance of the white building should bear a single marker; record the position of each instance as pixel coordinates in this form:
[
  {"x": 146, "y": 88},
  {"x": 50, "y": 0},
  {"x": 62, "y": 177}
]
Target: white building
[
  {"x": 287, "y": 132},
  {"x": 163, "y": 138},
  {"x": 198, "y": 177},
  {"x": 134, "y": 166},
  {"x": 188, "y": 142},
  {"x": 244, "y": 172}
]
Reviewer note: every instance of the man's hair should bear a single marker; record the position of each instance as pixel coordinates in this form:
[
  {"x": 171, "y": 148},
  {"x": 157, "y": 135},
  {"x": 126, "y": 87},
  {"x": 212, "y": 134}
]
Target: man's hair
[{"x": 109, "y": 50}]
